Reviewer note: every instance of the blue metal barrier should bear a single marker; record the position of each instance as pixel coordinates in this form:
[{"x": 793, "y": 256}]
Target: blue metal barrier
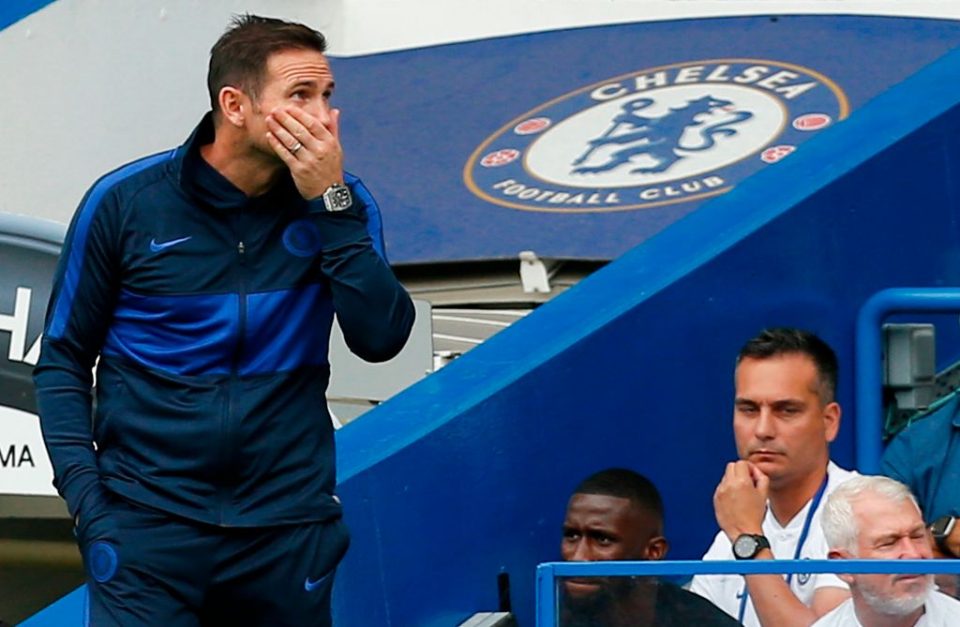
[
  {"x": 868, "y": 359},
  {"x": 548, "y": 573}
]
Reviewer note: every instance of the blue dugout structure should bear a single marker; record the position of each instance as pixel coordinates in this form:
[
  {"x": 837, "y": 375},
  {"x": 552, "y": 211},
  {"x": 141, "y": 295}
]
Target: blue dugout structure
[{"x": 465, "y": 475}]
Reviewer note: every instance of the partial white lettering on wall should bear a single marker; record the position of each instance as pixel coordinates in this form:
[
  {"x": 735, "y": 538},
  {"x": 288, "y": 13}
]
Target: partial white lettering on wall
[
  {"x": 24, "y": 466},
  {"x": 16, "y": 325}
]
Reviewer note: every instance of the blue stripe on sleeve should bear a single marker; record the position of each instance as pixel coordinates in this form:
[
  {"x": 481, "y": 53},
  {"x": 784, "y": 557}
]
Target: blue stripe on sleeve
[{"x": 76, "y": 247}]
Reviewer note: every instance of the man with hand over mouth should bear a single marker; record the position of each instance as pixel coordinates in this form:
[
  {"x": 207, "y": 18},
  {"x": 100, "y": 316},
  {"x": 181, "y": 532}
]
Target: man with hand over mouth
[{"x": 203, "y": 282}]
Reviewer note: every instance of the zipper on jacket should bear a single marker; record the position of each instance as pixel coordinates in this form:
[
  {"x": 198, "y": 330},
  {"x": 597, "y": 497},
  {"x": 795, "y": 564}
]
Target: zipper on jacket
[{"x": 229, "y": 421}]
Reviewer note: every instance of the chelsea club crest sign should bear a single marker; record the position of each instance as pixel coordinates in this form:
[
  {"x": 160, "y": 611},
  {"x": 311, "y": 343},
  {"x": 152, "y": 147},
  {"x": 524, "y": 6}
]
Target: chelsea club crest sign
[{"x": 655, "y": 137}]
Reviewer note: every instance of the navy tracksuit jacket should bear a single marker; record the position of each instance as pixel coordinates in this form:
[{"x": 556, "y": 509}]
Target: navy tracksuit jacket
[{"x": 210, "y": 313}]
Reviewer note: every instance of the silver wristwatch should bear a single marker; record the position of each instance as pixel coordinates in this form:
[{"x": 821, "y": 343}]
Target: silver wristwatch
[{"x": 337, "y": 197}]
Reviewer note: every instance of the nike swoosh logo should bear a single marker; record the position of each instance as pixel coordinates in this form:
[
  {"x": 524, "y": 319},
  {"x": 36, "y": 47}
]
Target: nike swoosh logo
[
  {"x": 310, "y": 585},
  {"x": 156, "y": 246}
]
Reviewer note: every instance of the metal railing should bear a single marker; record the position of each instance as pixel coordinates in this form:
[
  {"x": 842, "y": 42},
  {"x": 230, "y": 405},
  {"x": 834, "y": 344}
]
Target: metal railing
[
  {"x": 868, "y": 361},
  {"x": 548, "y": 574}
]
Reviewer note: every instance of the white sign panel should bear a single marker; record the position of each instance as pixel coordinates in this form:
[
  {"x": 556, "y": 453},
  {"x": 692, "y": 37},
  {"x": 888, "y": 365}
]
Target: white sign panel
[{"x": 24, "y": 465}]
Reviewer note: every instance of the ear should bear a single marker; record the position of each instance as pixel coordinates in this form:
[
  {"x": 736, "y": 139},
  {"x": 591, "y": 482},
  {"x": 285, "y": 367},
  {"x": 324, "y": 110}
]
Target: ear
[
  {"x": 234, "y": 104},
  {"x": 656, "y": 548},
  {"x": 841, "y": 554},
  {"x": 831, "y": 420}
]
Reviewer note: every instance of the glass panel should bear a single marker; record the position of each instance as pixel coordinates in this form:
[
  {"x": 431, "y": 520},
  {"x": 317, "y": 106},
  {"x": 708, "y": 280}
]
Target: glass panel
[
  {"x": 949, "y": 584},
  {"x": 635, "y": 601},
  {"x": 719, "y": 600}
]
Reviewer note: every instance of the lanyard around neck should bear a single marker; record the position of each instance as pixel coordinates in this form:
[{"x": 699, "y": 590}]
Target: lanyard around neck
[{"x": 814, "y": 504}]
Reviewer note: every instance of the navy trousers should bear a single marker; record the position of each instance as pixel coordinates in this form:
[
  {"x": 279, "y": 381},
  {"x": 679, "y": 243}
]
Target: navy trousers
[{"x": 171, "y": 572}]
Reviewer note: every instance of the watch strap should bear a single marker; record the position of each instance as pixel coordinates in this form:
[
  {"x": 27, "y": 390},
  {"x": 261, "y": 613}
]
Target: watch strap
[{"x": 941, "y": 529}]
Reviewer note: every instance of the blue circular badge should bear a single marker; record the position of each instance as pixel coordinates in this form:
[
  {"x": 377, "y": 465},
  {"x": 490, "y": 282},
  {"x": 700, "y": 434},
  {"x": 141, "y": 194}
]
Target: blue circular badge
[
  {"x": 302, "y": 238},
  {"x": 102, "y": 558}
]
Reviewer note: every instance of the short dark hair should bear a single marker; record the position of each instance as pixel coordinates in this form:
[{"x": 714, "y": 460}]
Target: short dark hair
[
  {"x": 625, "y": 484},
  {"x": 239, "y": 58},
  {"x": 784, "y": 341}
]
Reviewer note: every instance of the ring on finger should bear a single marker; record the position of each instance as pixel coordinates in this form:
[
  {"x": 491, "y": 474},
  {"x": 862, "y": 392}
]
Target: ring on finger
[{"x": 295, "y": 148}]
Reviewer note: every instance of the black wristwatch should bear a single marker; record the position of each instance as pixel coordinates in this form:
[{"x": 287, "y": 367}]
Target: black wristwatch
[
  {"x": 337, "y": 197},
  {"x": 747, "y": 545},
  {"x": 941, "y": 529}
]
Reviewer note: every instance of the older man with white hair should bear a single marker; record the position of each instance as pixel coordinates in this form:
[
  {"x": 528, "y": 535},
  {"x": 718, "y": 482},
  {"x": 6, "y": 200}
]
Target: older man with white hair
[{"x": 872, "y": 517}]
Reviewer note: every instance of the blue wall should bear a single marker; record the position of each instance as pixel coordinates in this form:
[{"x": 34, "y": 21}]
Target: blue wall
[
  {"x": 12, "y": 11},
  {"x": 466, "y": 474}
]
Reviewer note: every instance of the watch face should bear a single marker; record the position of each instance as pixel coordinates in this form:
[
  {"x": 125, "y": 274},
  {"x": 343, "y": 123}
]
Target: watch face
[
  {"x": 341, "y": 196},
  {"x": 745, "y": 547},
  {"x": 337, "y": 198}
]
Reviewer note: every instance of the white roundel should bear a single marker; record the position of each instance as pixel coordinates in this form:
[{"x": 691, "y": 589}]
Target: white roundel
[{"x": 655, "y": 136}]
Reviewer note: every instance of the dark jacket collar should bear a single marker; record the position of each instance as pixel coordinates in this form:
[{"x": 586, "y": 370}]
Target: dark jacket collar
[{"x": 205, "y": 184}]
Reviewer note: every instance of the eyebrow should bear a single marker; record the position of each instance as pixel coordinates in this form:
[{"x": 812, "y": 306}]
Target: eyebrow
[
  {"x": 606, "y": 533},
  {"x": 592, "y": 530},
  {"x": 779, "y": 402},
  {"x": 312, "y": 83},
  {"x": 789, "y": 402},
  {"x": 891, "y": 538}
]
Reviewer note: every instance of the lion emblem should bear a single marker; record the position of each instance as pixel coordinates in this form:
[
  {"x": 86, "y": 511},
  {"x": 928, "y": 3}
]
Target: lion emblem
[{"x": 660, "y": 137}]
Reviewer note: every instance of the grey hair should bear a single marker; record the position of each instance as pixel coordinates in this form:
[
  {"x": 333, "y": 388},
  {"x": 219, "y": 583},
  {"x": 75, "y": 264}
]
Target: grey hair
[{"x": 837, "y": 519}]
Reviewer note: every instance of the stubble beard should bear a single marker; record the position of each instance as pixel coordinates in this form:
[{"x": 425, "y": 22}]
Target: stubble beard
[{"x": 899, "y": 605}]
